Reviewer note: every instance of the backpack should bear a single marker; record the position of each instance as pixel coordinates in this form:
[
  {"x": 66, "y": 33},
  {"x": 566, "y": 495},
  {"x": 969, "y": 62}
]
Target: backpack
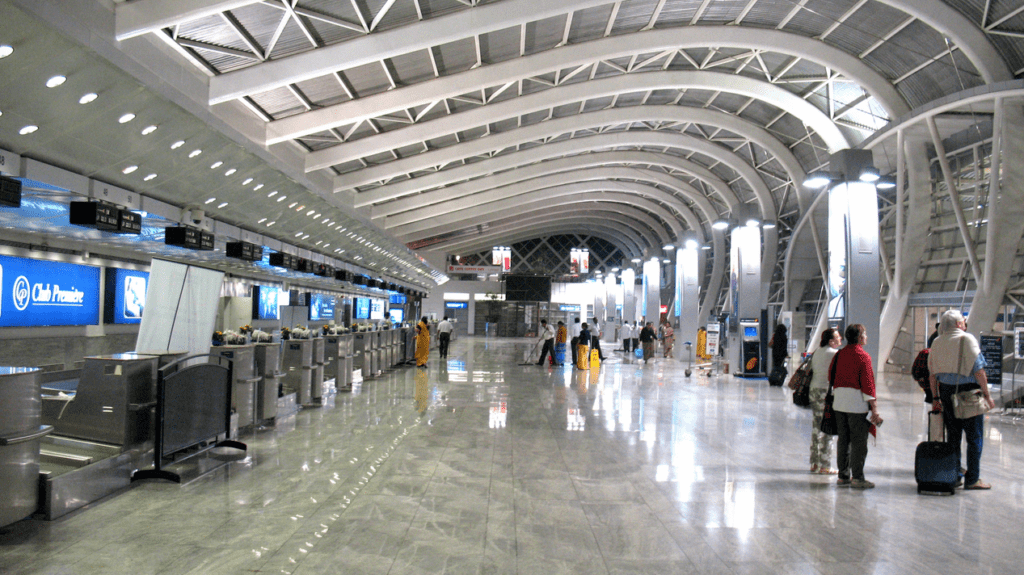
[{"x": 919, "y": 370}]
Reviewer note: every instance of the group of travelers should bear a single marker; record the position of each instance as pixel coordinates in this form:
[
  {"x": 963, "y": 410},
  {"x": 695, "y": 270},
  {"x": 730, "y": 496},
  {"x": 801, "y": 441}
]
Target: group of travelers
[
  {"x": 646, "y": 338},
  {"x": 954, "y": 363}
]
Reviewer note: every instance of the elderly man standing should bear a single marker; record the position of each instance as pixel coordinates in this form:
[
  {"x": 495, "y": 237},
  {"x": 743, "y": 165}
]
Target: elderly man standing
[{"x": 955, "y": 364}]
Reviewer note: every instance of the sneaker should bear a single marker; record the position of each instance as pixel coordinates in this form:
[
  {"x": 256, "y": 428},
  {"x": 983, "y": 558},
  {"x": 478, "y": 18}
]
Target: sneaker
[
  {"x": 979, "y": 484},
  {"x": 842, "y": 482},
  {"x": 861, "y": 484}
]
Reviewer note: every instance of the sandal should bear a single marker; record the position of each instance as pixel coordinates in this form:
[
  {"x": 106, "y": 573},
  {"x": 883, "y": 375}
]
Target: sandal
[
  {"x": 827, "y": 471},
  {"x": 814, "y": 469},
  {"x": 979, "y": 484}
]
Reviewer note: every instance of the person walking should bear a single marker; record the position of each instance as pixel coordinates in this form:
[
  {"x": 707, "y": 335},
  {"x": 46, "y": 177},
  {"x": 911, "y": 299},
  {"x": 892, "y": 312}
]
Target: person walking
[
  {"x": 821, "y": 360},
  {"x": 547, "y": 335},
  {"x": 574, "y": 332},
  {"x": 853, "y": 383},
  {"x": 635, "y": 336},
  {"x": 668, "y": 338},
  {"x": 647, "y": 340},
  {"x": 422, "y": 342},
  {"x": 595, "y": 338},
  {"x": 626, "y": 333},
  {"x": 955, "y": 364},
  {"x": 444, "y": 336}
]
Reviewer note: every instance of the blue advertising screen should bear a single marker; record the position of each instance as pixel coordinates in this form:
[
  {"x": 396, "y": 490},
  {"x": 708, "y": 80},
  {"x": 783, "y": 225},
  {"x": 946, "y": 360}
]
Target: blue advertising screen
[
  {"x": 397, "y": 314},
  {"x": 456, "y": 305},
  {"x": 362, "y": 308},
  {"x": 41, "y": 293},
  {"x": 266, "y": 302},
  {"x": 321, "y": 307},
  {"x": 398, "y": 298},
  {"x": 750, "y": 331},
  {"x": 125, "y": 295}
]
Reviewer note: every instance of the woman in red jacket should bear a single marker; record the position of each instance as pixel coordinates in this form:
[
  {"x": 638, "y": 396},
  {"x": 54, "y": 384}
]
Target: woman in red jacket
[{"x": 853, "y": 382}]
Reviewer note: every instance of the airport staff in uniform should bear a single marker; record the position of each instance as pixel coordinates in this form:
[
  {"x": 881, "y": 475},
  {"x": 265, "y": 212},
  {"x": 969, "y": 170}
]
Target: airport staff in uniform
[
  {"x": 626, "y": 333},
  {"x": 444, "y": 336},
  {"x": 422, "y": 342},
  {"x": 547, "y": 335}
]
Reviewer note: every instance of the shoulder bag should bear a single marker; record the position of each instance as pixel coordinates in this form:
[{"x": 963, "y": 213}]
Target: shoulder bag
[
  {"x": 800, "y": 383},
  {"x": 967, "y": 404},
  {"x": 828, "y": 415}
]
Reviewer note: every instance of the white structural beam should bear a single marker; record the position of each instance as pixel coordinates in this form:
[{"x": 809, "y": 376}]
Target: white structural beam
[
  {"x": 555, "y": 127},
  {"x": 641, "y": 226},
  {"x": 667, "y": 114},
  {"x": 609, "y": 217},
  {"x": 576, "y": 55},
  {"x": 619, "y": 192},
  {"x": 139, "y": 17},
  {"x": 387, "y": 44},
  {"x": 597, "y": 175},
  {"x": 635, "y": 159},
  {"x": 761, "y": 90},
  {"x": 606, "y": 231}
]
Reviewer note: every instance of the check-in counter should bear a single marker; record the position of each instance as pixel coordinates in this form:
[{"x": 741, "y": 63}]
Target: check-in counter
[
  {"x": 244, "y": 387},
  {"x": 20, "y": 434},
  {"x": 392, "y": 345},
  {"x": 337, "y": 360},
  {"x": 317, "y": 376},
  {"x": 109, "y": 402},
  {"x": 362, "y": 352},
  {"x": 297, "y": 364},
  {"x": 409, "y": 343},
  {"x": 268, "y": 369},
  {"x": 378, "y": 352}
]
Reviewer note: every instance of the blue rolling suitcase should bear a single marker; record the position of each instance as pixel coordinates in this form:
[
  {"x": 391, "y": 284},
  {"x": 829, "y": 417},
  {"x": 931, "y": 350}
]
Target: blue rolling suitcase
[{"x": 936, "y": 463}]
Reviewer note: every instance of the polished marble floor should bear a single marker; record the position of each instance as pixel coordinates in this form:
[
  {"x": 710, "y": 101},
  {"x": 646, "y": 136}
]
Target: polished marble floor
[{"x": 483, "y": 465}]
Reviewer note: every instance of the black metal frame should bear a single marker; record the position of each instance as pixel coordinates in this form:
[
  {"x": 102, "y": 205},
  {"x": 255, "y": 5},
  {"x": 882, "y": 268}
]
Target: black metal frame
[{"x": 170, "y": 372}]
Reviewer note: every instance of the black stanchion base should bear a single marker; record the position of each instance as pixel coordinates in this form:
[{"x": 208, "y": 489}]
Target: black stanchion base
[{"x": 155, "y": 474}]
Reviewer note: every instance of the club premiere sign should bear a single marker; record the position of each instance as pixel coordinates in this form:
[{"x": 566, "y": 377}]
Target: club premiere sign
[{"x": 42, "y": 293}]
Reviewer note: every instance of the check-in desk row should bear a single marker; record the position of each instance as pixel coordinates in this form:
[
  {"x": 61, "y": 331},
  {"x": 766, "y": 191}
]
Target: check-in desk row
[{"x": 377, "y": 351}]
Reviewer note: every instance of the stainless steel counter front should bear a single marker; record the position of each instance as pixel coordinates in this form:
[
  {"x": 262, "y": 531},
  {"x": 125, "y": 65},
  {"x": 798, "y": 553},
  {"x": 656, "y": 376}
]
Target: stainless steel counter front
[{"x": 20, "y": 434}]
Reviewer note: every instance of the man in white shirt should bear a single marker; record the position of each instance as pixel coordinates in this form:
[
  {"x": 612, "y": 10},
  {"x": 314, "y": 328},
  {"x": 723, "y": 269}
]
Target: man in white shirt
[
  {"x": 444, "y": 336},
  {"x": 547, "y": 335},
  {"x": 626, "y": 334}
]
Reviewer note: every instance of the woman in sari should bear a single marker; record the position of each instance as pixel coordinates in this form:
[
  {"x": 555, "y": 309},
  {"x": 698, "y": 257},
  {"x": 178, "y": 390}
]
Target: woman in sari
[{"x": 422, "y": 342}]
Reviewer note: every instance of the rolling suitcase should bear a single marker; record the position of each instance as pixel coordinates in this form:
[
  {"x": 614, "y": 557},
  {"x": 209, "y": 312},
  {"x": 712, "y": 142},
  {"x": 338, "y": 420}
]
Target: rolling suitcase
[
  {"x": 936, "y": 463},
  {"x": 559, "y": 353}
]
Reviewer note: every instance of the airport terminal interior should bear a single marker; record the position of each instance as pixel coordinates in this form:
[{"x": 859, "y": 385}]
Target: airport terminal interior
[{"x": 273, "y": 275}]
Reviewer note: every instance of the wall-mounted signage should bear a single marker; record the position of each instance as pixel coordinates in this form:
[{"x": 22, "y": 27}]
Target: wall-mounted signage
[
  {"x": 398, "y": 299},
  {"x": 125, "y": 295},
  {"x": 321, "y": 307},
  {"x": 266, "y": 302},
  {"x": 42, "y": 293},
  {"x": 362, "y": 307},
  {"x": 568, "y": 307},
  {"x": 377, "y": 309},
  {"x": 474, "y": 269},
  {"x": 456, "y": 305},
  {"x": 396, "y": 314}
]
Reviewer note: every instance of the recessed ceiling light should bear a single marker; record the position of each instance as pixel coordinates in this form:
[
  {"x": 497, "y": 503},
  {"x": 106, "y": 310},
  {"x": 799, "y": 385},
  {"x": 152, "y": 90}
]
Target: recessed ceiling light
[
  {"x": 194, "y": 153},
  {"x": 222, "y": 205},
  {"x": 129, "y": 169},
  {"x": 211, "y": 200},
  {"x": 317, "y": 216},
  {"x": 246, "y": 181},
  {"x": 291, "y": 205},
  {"x": 149, "y": 177},
  {"x": 6, "y": 51},
  {"x": 86, "y": 98},
  {"x": 310, "y": 212},
  {"x": 272, "y": 194},
  {"x": 327, "y": 246},
  {"x": 282, "y": 198},
  {"x": 258, "y": 188},
  {"x": 300, "y": 208},
  {"x": 229, "y": 172},
  {"x": 216, "y": 165},
  {"x": 305, "y": 236},
  {"x": 28, "y": 129},
  {"x": 261, "y": 220},
  {"x": 177, "y": 144},
  {"x": 56, "y": 81},
  {"x": 148, "y": 130},
  {"x": 298, "y": 234},
  {"x": 271, "y": 223},
  {"x": 126, "y": 118}
]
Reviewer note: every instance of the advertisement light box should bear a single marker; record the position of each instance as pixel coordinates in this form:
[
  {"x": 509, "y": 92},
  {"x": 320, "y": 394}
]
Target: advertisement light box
[
  {"x": 377, "y": 309},
  {"x": 321, "y": 307},
  {"x": 125, "y": 295},
  {"x": 266, "y": 302},
  {"x": 362, "y": 308},
  {"x": 44, "y": 293}
]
